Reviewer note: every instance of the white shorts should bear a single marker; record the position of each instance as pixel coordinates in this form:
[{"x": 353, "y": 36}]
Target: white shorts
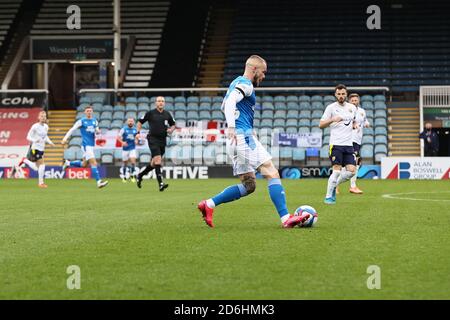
[
  {"x": 88, "y": 152},
  {"x": 128, "y": 154},
  {"x": 247, "y": 155}
]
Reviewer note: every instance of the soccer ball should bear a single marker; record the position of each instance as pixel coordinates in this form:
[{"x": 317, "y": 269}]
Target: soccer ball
[{"x": 311, "y": 221}]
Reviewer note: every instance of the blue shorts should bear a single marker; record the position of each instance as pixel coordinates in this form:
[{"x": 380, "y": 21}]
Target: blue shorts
[{"x": 342, "y": 155}]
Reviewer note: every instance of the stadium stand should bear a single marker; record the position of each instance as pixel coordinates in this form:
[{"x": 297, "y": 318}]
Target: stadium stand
[
  {"x": 290, "y": 117},
  {"x": 8, "y": 14},
  {"x": 411, "y": 49},
  {"x": 144, "y": 20}
]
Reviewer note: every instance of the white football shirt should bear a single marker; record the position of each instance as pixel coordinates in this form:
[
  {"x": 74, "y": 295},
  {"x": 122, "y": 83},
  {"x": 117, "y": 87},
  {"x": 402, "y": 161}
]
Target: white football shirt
[
  {"x": 361, "y": 120},
  {"x": 341, "y": 133},
  {"x": 38, "y": 136}
]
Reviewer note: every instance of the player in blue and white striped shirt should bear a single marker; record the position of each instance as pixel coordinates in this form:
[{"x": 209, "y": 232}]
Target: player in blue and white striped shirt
[{"x": 246, "y": 152}]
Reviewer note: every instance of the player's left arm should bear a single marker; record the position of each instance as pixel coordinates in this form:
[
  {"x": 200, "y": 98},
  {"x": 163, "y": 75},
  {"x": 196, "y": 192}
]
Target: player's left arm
[
  {"x": 366, "y": 122},
  {"x": 355, "y": 123}
]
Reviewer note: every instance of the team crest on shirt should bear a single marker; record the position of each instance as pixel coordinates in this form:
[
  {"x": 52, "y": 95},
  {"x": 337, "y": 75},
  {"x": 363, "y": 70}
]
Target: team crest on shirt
[{"x": 333, "y": 158}]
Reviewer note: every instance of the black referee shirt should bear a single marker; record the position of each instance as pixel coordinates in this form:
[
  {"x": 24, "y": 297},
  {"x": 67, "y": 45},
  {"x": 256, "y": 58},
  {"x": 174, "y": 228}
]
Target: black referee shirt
[{"x": 159, "y": 122}]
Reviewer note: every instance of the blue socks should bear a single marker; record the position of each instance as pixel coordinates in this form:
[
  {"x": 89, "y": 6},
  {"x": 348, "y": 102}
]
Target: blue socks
[
  {"x": 230, "y": 194},
  {"x": 95, "y": 173},
  {"x": 276, "y": 192},
  {"x": 76, "y": 163}
]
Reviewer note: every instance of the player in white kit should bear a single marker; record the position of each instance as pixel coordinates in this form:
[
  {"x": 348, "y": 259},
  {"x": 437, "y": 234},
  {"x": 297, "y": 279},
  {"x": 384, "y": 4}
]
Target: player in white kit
[
  {"x": 340, "y": 117},
  {"x": 38, "y": 137}
]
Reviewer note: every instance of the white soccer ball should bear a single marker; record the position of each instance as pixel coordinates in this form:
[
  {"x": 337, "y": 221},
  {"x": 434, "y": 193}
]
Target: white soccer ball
[{"x": 313, "y": 216}]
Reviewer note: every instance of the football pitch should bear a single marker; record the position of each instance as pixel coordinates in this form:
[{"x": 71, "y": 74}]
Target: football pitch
[{"x": 132, "y": 243}]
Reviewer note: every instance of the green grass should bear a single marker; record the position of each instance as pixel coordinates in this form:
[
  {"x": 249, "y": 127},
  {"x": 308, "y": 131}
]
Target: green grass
[{"x": 143, "y": 244}]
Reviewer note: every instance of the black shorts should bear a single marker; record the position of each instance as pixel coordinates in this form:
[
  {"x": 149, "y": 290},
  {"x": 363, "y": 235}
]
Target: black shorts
[
  {"x": 157, "y": 148},
  {"x": 357, "y": 148},
  {"x": 34, "y": 155},
  {"x": 342, "y": 155}
]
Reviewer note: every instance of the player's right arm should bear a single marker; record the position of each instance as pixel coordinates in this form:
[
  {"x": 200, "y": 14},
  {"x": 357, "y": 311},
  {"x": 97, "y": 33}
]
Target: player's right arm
[
  {"x": 70, "y": 132},
  {"x": 328, "y": 118},
  {"x": 31, "y": 137},
  {"x": 229, "y": 108}
]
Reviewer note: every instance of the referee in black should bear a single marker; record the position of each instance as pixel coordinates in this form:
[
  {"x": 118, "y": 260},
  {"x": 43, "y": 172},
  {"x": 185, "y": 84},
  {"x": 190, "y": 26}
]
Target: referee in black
[{"x": 161, "y": 123}]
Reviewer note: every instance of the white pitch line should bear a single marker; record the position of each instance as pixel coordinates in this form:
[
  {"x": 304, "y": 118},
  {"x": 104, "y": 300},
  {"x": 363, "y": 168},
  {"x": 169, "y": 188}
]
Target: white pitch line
[{"x": 395, "y": 196}]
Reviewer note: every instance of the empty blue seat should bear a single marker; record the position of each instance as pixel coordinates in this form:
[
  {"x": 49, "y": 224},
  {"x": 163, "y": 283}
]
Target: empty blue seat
[
  {"x": 267, "y": 99},
  {"x": 193, "y": 99},
  {"x": 291, "y": 105},
  {"x": 217, "y": 99},
  {"x": 367, "y": 139},
  {"x": 145, "y": 100},
  {"x": 292, "y": 114},
  {"x": 131, "y": 100},
  {"x": 315, "y": 124},
  {"x": 85, "y": 99},
  {"x": 380, "y": 113},
  {"x": 367, "y": 151},
  {"x": 204, "y": 106},
  {"x": 316, "y": 105},
  {"x": 304, "y": 122},
  {"x": 317, "y": 114},
  {"x": 192, "y": 106},
  {"x": 380, "y": 105},
  {"x": 131, "y": 107},
  {"x": 104, "y": 124},
  {"x": 366, "y": 98},
  {"x": 116, "y": 124},
  {"x": 367, "y": 105},
  {"x": 316, "y": 98},
  {"x": 305, "y": 105},
  {"x": 279, "y": 123},
  {"x": 280, "y": 114},
  {"x": 180, "y": 106},
  {"x": 181, "y": 115},
  {"x": 291, "y": 129},
  {"x": 217, "y": 115},
  {"x": 379, "y": 97},
  {"x": 267, "y": 114},
  {"x": 380, "y": 122},
  {"x": 304, "y": 129},
  {"x": 268, "y": 106},
  {"x": 204, "y": 115},
  {"x": 324, "y": 152},
  {"x": 291, "y": 98},
  {"x": 304, "y": 98},
  {"x": 380, "y": 139},
  {"x": 118, "y": 115},
  {"x": 180, "y": 99},
  {"x": 286, "y": 152},
  {"x": 119, "y": 108},
  {"x": 298, "y": 154},
  {"x": 130, "y": 114},
  {"x": 192, "y": 115},
  {"x": 380, "y": 131}
]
